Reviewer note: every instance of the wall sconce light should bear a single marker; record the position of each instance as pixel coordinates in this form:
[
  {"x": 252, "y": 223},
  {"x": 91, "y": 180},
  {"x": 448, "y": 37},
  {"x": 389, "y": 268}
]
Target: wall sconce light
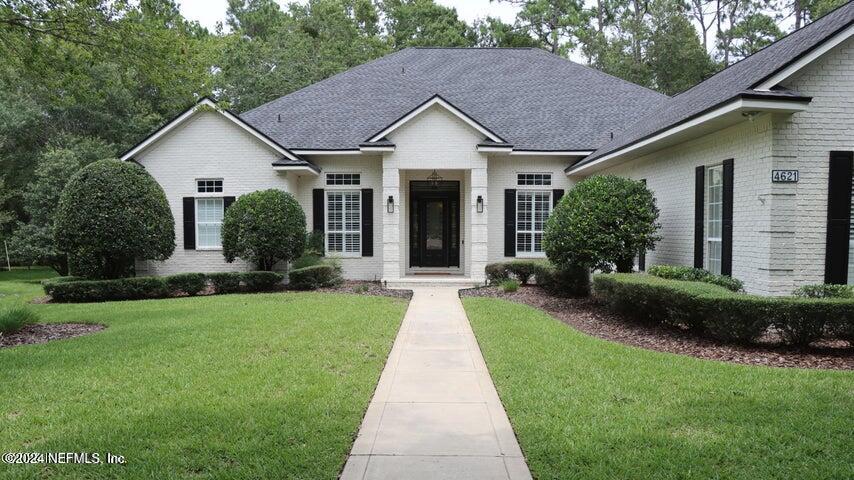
[
  {"x": 389, "y": 204},
  {"x": 479, "y": 204}
]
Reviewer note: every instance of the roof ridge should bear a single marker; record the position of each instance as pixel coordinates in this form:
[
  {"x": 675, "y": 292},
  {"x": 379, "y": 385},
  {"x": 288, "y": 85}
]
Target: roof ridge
[{"x": 428, "y": 47}]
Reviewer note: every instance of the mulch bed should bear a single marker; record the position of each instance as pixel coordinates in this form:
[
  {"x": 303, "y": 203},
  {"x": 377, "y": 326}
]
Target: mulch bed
[
  {"x": 585, "y": 315},
  {"x": 368, "y": 288},
  {"x": 46, "y": 332}
]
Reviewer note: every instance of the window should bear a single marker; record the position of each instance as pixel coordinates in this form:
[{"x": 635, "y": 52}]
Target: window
[
  {"x": 209, "y": 185},
  {"x": 344, "y": 222},
  {"x": 715, "y": 209},
  {"x": 343, "y": 178},
  {"x": 209, "y": 222},
  {"x": 534, "y": 179},
  {"x": 532, "y": 211}
]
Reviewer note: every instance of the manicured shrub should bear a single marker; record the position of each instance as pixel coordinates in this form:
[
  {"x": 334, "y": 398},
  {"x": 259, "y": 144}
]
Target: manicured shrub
[
  {"x": 723, "y": 314},
  {"x": 13, "y": 319},
  {"x": 306, "y": 260},
  {"x": 264, "y": 228},
  {"x": 261, "y": 281},
  {"x": 50, "y": 281},
  {"x": 525, "y": 270},
  {"x": 109, "y": 214},
  {"x": 510, "y": 285},
  {"x": 564, "y": 282},
  {"x": 603, "y": 221},
  {"x": 190, "y": 283},
  {"x": 314, "y": 277},
  {"x": 108, "y": 290},
  {"x": 225, "y": 282},
  {"x": 496, "y": 273},
  {"x": 691, "y": 274},
  {"x": 825, "y": 291}
]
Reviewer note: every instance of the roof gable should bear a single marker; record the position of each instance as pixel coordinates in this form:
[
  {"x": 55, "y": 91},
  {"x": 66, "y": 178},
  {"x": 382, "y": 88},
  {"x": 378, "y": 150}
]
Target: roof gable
[{"x": 208, "y": 105}]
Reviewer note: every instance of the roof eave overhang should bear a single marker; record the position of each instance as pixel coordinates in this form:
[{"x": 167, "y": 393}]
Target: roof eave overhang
[
  {"x": 743, "y": 108},
  {"x": 310, "y": 169}
]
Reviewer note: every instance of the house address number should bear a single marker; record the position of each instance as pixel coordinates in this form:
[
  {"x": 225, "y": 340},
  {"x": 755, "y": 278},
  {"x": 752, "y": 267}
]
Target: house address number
[{"x": 784, "y": 176}]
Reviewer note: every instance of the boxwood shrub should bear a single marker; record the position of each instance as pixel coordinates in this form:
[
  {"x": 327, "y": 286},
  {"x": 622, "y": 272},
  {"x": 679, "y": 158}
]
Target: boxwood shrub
[
  {"x": 190, "y": 283},
  {"x": 825, "y": 291},
  {"x": 573, "y": 282},
  {"x": 261, "y": 281},
  {"x": 723, "y": 314},
  {"x": 225, "y": 282},
  {"x": 137, "y": 288},
  {"x": 314, "y": 277},
  {"x": 691, "y": 274}
]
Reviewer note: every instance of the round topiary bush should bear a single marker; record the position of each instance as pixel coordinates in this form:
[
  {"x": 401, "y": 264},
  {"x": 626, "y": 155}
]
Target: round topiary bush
[
  {"x": 602, "y": 221},
  {"x": 109, "y": 214},
  {"x": 264, "y": 227}
]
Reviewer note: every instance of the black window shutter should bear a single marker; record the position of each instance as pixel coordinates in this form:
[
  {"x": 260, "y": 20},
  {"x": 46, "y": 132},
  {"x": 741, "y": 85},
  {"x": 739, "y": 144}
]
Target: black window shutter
[
  {"x": 317, "y": 207},
  {"x": 226, "y": 202},
  {"x": 189, "y": 223},
  {"x": 367, "y": 222},
  {"x": 699, "y": 209},
  {"x": 726, "y": 224},
  {"x": 510, "y": 222},
  {"x": 557, "y": 194},
  {"x": 838, "y": 217}
]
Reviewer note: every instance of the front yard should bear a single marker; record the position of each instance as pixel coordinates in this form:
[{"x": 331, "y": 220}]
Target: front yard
[
  {"x": 591, "y": 409},
  {"x": 237, "y": 386}
]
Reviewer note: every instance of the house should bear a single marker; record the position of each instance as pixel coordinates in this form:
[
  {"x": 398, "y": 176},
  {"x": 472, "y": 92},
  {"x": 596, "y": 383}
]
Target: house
[
  {"x": 752, "y": 168},
  {"x": 429, "y": 163}
]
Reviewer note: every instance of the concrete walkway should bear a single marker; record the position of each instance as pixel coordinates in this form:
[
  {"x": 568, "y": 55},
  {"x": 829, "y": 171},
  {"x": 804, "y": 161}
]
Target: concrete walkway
[{"x": 435, "y": 413}]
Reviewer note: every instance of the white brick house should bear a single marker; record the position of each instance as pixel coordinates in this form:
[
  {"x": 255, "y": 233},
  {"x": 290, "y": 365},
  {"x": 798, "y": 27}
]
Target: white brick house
[{"x": 439, "y": 161}]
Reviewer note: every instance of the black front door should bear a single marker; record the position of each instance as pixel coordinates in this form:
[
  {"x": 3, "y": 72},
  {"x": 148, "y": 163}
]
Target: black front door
[{"x": 434, "y": 214}]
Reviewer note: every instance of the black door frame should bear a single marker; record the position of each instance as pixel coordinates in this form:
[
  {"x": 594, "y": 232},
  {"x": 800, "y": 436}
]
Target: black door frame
[{"x": 449, "y": 192}]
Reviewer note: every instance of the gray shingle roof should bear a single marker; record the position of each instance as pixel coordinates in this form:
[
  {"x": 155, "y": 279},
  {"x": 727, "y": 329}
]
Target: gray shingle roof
[
  {"x": 529, "y": 97},
  {"x": 735, "y": 81}
]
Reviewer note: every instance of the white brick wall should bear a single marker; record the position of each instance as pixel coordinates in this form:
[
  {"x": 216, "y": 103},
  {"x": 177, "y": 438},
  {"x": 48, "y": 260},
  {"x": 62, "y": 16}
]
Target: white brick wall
[
  {"x": 207, "y": 146},
  {"x": 778, "y": 229}
]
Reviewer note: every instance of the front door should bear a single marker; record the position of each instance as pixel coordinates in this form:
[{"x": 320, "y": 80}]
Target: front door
[{"x": 434, "y": 224}]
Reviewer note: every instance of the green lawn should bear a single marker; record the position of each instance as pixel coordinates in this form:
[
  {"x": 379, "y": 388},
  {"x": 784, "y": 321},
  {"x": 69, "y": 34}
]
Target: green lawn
[
  {"x": 590, "y": 409},
  {"x": 232, "y": 386}
]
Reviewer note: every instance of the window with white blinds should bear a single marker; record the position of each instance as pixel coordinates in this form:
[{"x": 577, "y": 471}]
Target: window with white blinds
[
  {"x": 532, "y": 211},
  {"x": 344, "y": 222},
  {"x": 209, "y": 213},
  {"x": 851, "y": 240},
  {"x": 715, "y": 209}
]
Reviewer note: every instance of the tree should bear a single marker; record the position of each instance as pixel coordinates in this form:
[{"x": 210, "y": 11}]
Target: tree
[
  {"x": 602, "y": 221},
  {"x": 555, "y": 24},
  {"x": 110, "y": 214},
  {"x": 264, "y": 228},
  {"x": 753, "y": 33},
  {"x": 413, "y": 23},
  {"x": 492, "y": 32},
  {"x": 677, "y": 60}
]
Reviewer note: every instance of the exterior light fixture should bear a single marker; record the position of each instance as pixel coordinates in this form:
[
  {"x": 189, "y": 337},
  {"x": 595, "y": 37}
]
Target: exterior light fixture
[
  {"x": 479, "y": 204},
  {"x": 434, "y": 178},
  {"x": 389, "y": 204}
]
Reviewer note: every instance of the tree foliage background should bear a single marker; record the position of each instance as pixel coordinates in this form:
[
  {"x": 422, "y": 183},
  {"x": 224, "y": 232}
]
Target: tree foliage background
[{"x": 83, "y": 80}]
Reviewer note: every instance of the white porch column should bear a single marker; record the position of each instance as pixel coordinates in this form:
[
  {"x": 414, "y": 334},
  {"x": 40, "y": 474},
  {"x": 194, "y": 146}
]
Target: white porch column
[
  {"x": 391, "y": 221},
  {"x": 479, "y": 235}
]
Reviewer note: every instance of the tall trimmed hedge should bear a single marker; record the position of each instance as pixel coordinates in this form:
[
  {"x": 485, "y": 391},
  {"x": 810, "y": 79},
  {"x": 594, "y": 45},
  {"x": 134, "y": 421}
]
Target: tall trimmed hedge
[
  {"x": 264, "y": 227},
  {"x": 723, "y": 314},
  {"x": 109, "y": 214}
]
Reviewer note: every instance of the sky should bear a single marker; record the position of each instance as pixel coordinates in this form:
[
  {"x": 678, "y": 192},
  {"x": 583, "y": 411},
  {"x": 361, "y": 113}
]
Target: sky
[{"x": 209, "y": 12}]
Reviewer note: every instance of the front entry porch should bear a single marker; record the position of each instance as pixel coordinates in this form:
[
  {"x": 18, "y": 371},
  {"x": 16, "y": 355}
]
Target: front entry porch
[{"x": 428, "y": 232}]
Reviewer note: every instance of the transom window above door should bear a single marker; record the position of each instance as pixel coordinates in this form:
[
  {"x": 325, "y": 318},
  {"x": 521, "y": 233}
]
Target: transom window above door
[
  {"x": 209, "y": 185},
  {"x": 535, "y": 179},
  {"x": 343, "y": 179},
  {"x": 532, "y": 211}
]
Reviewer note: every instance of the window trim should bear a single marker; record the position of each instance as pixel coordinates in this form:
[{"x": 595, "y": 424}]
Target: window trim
[
  {"x": 708, "y": 223},
  {"x": 196, "y": 222},
  {"x": 531, "y": 254},
  {"x": 343, "y": 231}
]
